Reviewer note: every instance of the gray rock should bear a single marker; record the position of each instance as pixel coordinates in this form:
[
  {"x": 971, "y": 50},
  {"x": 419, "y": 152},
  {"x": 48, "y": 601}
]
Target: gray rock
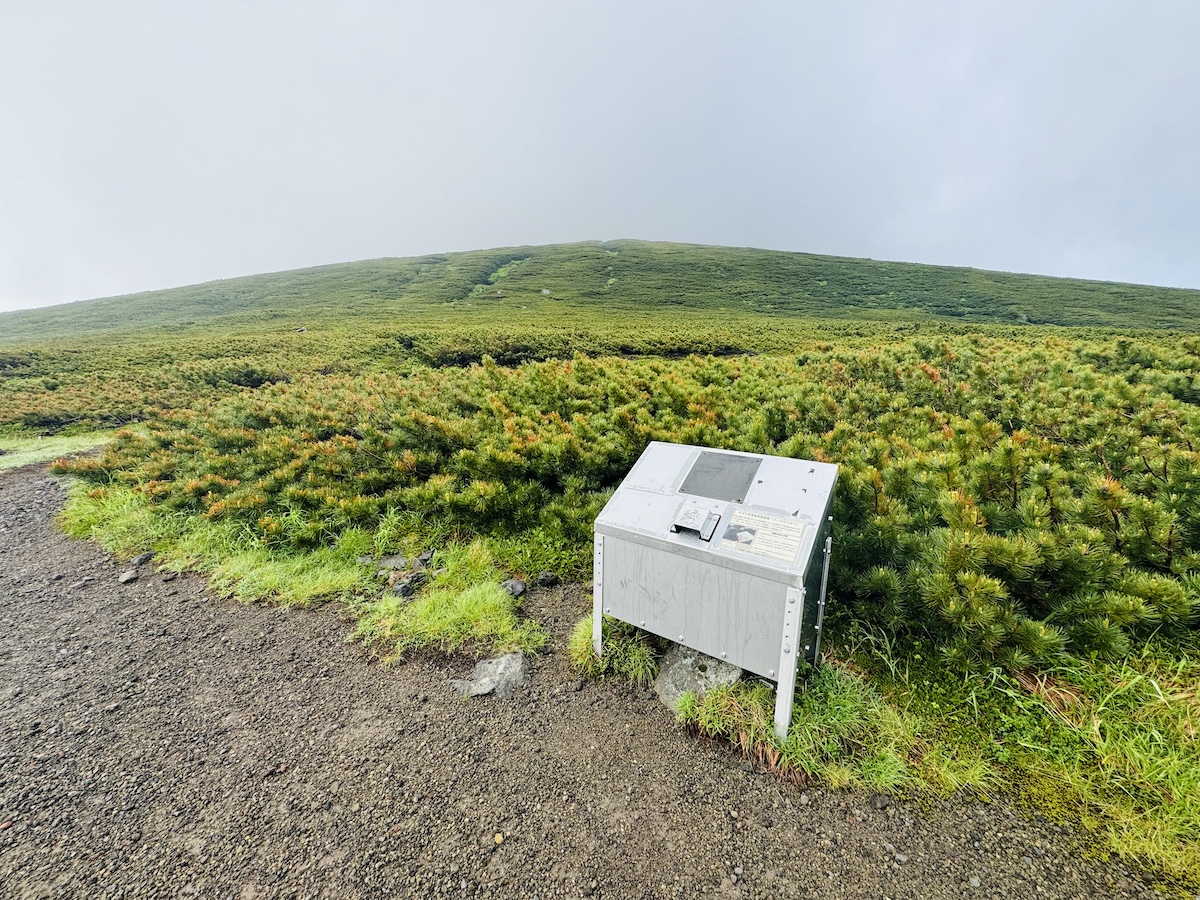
[
  {"x": 500, "y": 676},
  {"x": 686, "y": 670},
  {"x": 547, "y": 579},
  {"x": 423, "y": 560},
  {"x": 407, "y": 585},
  {"x": 141, "y": 559},
  {"x": 974, "y": 881},
  {"x": 515, "y": 586},
  {"x": 393, "y": 561},
  {"x": 127, "y": 576},
  {"x": 879, "y": 801},
  {"x": 170, "y": 576},
  {"x": 366, "y": 560}
]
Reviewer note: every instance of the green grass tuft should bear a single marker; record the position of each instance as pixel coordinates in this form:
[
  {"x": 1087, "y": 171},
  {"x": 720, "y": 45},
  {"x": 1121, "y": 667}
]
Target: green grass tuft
[
  {"x": 629, "y": 653},
  {"x": 843, "y": 733},
  {"x": 463, "y": 608},
  {"x": 953, "y": 770},
  {"x": 1137, "y": 769},
  {"x": 237, "y": 561},
  {"x": 294, "y": 579},
  {"x": 1107, "y": 747},
  {"x": 120, "y": 520}
]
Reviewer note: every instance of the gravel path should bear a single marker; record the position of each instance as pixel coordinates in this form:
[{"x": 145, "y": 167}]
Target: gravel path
[{"x": 157, "y": 741}]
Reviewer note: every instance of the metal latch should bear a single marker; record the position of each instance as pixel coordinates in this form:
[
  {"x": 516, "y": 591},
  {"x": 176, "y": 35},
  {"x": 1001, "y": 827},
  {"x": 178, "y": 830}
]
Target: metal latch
[{"x": 697, "y": 520}]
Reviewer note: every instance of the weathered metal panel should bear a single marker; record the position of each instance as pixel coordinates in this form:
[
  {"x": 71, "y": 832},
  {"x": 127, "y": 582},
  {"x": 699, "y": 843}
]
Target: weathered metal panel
[{"x": 709, "y": 607}]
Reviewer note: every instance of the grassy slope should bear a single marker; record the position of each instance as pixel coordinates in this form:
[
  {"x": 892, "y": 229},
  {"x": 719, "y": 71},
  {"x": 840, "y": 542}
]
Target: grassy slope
[
  {"x": 107, "y": 362},
  {"x": 618, "y": 276}
]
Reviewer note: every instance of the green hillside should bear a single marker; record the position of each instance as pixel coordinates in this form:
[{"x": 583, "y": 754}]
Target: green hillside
[
  {"x": 623, "y": 276},
  {"x": 120, "y": 359}
]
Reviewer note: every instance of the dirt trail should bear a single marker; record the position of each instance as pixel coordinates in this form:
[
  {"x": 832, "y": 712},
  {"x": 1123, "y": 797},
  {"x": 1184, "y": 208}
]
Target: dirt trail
[{"x": 157, "y": 741}]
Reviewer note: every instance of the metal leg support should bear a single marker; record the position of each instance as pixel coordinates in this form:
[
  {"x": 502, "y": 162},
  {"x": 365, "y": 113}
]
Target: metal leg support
[
  {"x": 816, "y": 654},
  {"x": 598, "y": 596},
  {"x": 789, "y": 651}
]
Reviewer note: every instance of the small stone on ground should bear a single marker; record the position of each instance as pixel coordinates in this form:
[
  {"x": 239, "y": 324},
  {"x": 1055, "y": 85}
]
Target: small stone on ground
[{"x": 500, "y": 676}]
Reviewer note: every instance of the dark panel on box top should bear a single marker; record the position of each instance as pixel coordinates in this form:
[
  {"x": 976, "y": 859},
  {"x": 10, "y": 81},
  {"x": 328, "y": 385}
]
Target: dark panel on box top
[{"x": 721, "y": 476}]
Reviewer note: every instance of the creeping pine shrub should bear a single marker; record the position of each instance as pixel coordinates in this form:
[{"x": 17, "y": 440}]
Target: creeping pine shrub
[
  {"x": 629, "y": 653},
  {"x": 1016, "y": 504}
]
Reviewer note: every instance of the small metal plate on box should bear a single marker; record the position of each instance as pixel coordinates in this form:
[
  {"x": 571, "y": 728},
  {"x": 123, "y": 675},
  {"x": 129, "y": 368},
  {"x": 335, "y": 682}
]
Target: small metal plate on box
[
  {"x": 693, "y": 517},
  {"x": 721, "y": 476}
]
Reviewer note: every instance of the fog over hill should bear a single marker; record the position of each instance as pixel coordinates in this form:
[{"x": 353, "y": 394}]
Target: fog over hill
[{"x": 151, "y": 144}]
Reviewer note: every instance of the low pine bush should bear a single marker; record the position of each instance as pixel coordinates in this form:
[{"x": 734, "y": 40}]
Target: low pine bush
[{"x": 1013, "y": 503}]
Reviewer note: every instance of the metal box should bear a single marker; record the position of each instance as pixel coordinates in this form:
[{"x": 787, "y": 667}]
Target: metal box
[{"x": 721, "y": 551}]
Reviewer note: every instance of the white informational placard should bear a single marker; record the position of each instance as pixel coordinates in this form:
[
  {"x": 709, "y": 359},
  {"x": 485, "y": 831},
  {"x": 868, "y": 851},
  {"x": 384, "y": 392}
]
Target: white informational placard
[{"x": 778, "y": 537}]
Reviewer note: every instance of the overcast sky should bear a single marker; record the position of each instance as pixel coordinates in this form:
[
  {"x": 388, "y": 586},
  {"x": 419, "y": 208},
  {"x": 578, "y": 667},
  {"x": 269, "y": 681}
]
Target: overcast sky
[{"x": 152, "y": 144}]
